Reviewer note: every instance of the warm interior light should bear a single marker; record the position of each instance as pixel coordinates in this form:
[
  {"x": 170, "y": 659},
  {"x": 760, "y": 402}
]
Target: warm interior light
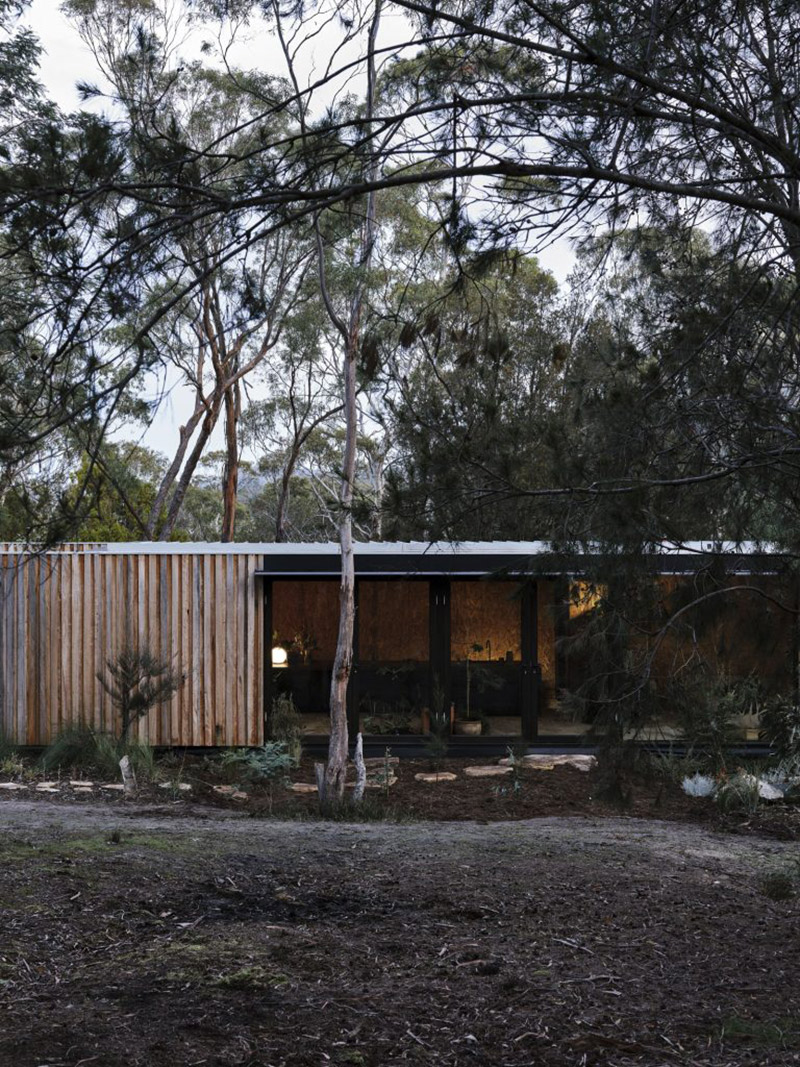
[
  {"x": 279, "y": 656},
  {"x": 585, "y": 597}
]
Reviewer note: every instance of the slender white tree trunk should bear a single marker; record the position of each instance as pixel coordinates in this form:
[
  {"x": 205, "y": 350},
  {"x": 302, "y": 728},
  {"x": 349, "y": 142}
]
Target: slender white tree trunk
[{"x": 336, "y": 770}]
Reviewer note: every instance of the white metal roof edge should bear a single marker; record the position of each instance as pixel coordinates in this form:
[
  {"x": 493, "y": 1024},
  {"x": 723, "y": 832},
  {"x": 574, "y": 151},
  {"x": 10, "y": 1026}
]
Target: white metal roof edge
[{"x": 390, "y": 548}]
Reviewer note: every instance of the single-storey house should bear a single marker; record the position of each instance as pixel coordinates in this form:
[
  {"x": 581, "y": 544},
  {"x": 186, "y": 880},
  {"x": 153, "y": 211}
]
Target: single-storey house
[{"x": 500, "y": 640}]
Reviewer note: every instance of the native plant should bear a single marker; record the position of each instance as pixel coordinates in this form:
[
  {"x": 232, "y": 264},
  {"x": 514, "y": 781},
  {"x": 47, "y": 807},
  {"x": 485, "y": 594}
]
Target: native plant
[
  {"x": 138, "y": 681},
  {"x": 268, "y": 765},
  {"x": 85, "y": 749},
  {"x": 780, "y": 726},
  {"x": 285, "y": 725}
]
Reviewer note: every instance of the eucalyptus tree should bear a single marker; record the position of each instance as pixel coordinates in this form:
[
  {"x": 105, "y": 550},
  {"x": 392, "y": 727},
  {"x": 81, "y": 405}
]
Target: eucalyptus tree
[
  {"x": 60, "y": 386},
  {"x": 219, "y": 303}
]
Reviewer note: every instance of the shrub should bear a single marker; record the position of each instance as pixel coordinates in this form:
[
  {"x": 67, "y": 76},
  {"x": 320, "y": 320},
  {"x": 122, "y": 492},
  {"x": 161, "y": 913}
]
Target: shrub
[
  {"x": 780, "y": 727},
  {"x": 738, "y": 795},
  {"x": 83, "y": 748},
  {"x": 779, "y": 884},
  {"x": 266, "y": 765},
  {"x": 285, "y": 725}
]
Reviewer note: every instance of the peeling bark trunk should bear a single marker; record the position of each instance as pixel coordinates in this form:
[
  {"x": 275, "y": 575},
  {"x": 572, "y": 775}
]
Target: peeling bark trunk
[
  {"x": 343, "y": 660},
  {"x": 351, "y": 332}
]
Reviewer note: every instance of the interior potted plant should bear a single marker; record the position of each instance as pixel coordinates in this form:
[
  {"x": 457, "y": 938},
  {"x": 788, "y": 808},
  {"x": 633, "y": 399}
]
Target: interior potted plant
[
  {"x": 304, "y": 645},
  {"x": 470, "y": 725}
]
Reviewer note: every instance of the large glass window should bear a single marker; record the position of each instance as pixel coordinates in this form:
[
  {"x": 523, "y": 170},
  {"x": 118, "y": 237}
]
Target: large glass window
[
  {"x": 486, "y": 656},
  {"x": 393, "y": 675},
  {"x": 671, "y": 659},
  {"x": 305, "y": 624}
]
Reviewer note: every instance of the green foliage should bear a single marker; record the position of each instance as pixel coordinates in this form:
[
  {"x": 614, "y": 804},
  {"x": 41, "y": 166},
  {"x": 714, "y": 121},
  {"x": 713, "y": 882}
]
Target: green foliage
[
  {"x": 780, "y": 726},
  {"x": 437, "y": 742},
  {"x": 137, "y": 682},
  {"x": 780, "y": 883},
  {"x": 269, "y": 765},
  {"x": 7, "y": 747},
  {"x": 270, "y": 762},
  {"x": 738, "y": 795},
  {"x": 286, "y": 725},
  {"x": 82, "y": 748},
  {"x": 708, "y": 707}
]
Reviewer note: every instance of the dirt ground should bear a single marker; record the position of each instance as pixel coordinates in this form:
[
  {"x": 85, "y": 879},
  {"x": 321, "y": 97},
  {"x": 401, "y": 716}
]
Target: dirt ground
[{"x": 179, "y": 933}]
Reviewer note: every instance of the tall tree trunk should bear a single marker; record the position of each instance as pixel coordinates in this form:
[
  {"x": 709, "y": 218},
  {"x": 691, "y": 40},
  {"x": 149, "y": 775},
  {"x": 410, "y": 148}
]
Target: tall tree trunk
[
  {"x": 230, "y": 487},
  {"x": 336, "y": 769},
  {"x": 184, "y": 436},
  {"x": 282, "y": 513},
  {"x": 343, "y": 661},
  {"x": 207, "y": 428}
]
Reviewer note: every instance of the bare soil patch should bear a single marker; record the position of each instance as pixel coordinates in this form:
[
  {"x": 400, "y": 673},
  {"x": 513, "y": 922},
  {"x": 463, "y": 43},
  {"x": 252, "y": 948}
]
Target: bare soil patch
[{"x": 184, "y": 934}]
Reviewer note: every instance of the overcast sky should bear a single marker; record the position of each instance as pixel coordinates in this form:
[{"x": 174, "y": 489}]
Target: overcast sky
[{"x": 66, "y": 60}]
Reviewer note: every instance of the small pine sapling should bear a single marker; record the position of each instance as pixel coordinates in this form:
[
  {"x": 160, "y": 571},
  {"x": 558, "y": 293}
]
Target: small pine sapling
[{"x": 138, "y": 681}]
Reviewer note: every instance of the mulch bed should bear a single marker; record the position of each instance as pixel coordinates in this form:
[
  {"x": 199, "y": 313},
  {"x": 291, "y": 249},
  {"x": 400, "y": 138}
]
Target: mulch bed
[
  {"x": 562, "y": 791},
  {"x": 560, "y": 943}
]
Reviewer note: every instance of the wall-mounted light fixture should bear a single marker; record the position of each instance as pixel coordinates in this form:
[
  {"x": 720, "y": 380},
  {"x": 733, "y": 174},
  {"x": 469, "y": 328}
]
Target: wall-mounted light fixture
[{"x": 279, "y": 656}]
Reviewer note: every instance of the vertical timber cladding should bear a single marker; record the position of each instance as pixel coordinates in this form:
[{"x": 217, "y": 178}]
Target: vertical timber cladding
[{"x": 63, "y": 614}]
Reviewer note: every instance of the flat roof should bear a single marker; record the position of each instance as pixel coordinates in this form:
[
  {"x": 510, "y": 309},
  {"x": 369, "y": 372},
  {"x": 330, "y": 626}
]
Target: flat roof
[{"x": 439, "y": 557}]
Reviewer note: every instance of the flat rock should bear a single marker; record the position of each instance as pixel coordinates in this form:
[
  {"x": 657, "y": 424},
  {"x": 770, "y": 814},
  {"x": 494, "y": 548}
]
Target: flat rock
[
  {"x": 302, "y": 787},
  {"x": 182, "y": 787},
  {"x": 79, "y": 783},
  {"x": 371, "y": 762},
  {"x": 12, "y": 786},
  {"x": 544, "y": 762},
  {"x": 240, "y": 796},
  {"x": 442, "y": 776},
  {"x": 47, "y": 785},
  {"x": 225, "y": 790},
  {"x": 115, "y": 787},
  {"x": 495, "y": 771},
  {"x": 766, "y": 790}
]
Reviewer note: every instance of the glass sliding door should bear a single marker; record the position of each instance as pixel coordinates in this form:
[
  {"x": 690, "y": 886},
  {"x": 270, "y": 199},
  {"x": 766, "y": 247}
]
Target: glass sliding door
[
  {"x": 305, "y": 623},
  {"x": 488, "y": 670},
  {"x": 392, "y": 679}
]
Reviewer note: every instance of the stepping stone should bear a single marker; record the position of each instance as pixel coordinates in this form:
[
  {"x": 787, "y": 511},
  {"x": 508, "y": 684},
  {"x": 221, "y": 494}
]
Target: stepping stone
[
  {"x": 302, "y": 787},
  {"x": 225, "y": 790},
  {"x": 535, "y": 763},
  {"x": 543, "y": 762},
  {"x": 12, "y": 786},
  {"x": 114, "y": 787},
  {"x": 80, "y": 784},
  {"x": 380, "y": 761},
  {"x": 442, "y": 776},
  {"x": 240, "y": 796},
  {"x": 83, "y": 789},
  {"x": 182, "y": 787},
  {"x": 47, "y": 785},
  {"x": 487, "y": 772}
]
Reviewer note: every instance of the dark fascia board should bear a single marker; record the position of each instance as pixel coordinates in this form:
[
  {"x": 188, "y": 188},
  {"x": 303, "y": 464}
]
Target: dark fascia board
[{"x": 489, "y": 565}]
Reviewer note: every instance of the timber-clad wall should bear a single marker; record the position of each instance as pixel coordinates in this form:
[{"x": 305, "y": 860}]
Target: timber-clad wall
[{"x": 63, "y": 614}]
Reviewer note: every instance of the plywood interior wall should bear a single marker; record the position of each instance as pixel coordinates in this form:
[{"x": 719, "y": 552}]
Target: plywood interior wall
[
  {"x": 62, "y": 615},
  {"x": 308, "y": 608},
  {"x": 393, "y": 621},
  {"x": 487, "y": 614}
]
